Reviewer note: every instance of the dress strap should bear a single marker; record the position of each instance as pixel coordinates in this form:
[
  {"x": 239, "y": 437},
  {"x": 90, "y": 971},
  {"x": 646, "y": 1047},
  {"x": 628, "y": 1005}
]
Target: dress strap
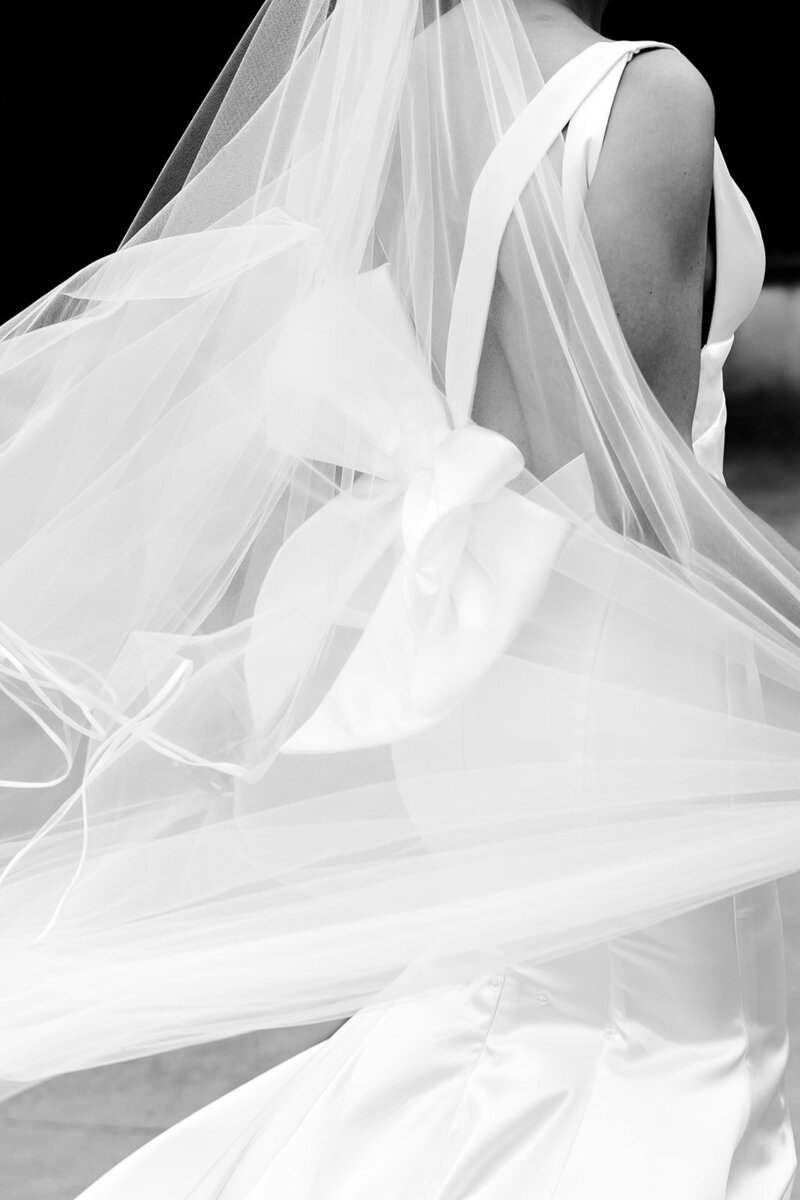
[
  {"x": 495, "y": 194},
  {"x": 583, "y": 143}
]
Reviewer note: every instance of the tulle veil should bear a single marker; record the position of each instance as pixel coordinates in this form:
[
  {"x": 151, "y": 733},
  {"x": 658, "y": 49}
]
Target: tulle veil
[{"x": 315, "y": 691}]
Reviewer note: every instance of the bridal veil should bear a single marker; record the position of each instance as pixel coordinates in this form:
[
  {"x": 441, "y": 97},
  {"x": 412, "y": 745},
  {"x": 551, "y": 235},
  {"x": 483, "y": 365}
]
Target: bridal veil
[{"x": 271, "y": 601}]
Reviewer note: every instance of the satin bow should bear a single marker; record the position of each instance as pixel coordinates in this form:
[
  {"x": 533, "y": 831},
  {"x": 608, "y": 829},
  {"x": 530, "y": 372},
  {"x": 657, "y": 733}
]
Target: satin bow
[
  {"x": 476, "y": 557},
  {"x": 469, "y": 557}
]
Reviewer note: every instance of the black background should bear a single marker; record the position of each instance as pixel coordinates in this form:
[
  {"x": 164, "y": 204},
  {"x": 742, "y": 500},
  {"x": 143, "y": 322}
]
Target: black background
[
  {"x": 751, "y": 66},
  {"x": 94, "y": 100}
]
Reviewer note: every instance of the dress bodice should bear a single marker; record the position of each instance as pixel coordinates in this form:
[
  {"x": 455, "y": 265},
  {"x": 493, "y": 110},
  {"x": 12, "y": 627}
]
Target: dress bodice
[{"x": 740, "y": 256}]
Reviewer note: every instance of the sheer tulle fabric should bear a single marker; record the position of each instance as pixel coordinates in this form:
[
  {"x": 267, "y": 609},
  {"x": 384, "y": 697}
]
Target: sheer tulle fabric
[{"x": 314, "y": 694}]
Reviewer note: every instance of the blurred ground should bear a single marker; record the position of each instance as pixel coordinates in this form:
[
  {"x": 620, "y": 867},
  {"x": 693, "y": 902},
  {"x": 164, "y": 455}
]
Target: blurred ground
[{"x": 58, "y": 1137}]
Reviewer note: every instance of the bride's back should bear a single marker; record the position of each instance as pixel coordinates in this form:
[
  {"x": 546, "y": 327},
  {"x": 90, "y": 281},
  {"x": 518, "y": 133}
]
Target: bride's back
[
  {"x": 647, "y": 208},
  {"x": 555, "y": 34}
]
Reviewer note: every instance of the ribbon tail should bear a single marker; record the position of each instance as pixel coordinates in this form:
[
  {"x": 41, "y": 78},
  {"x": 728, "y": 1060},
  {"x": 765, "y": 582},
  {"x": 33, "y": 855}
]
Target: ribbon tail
[
  {"x": 397, "y": 682},
  {"x": 321, "y": 578}
]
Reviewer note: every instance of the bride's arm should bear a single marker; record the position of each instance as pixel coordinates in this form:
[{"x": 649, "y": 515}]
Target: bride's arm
[{"x": 648, "y": 208}]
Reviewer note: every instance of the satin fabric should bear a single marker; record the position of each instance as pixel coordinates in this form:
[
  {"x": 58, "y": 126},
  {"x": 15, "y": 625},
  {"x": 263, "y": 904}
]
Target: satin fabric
[
  {"x": 652, "y": 1065},
  {"x": 638, "y": 1068}
]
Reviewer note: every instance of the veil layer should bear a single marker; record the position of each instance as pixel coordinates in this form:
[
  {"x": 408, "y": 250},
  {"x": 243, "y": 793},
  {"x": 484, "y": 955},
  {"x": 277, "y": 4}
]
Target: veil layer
[{"x": 315, "y": 691}]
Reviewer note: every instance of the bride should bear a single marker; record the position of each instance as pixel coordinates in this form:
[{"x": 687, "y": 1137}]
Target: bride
[{"x": 380, "y": 639}]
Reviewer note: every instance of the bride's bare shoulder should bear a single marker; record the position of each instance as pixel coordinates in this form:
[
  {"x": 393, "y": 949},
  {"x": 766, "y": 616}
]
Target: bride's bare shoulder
[
  {"x": 665, "y": 107},
  {"x": 656, "y": 166},
  {"x": 648, "y": 208}
]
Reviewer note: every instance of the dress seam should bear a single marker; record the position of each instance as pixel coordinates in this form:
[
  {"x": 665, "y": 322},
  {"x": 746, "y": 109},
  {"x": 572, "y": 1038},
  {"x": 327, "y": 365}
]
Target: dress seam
[
  {"x": 478, "y": 1056},
  {"x": 599, "y": 1060}
]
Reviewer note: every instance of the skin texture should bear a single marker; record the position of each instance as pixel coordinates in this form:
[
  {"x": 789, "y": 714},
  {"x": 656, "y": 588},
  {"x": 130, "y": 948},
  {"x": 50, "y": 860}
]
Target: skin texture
[
  {"x": 648, "y": 208},
  {"x": 649, "y": 202}
]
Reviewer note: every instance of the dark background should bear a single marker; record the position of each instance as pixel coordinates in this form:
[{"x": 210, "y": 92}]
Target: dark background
[
  {"x": 95, "y": 99},
  {"x": 751, "y": 66}
]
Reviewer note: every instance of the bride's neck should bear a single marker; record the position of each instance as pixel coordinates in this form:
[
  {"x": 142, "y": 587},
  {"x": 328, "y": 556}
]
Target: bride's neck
[{"x": 590, "y": 12}]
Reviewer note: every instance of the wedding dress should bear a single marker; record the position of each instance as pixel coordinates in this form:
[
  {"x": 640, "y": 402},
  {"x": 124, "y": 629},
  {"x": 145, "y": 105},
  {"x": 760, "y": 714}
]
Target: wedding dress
[
  {"x": 319, "y": 699},
  {"x": 652, "y": 1064}
]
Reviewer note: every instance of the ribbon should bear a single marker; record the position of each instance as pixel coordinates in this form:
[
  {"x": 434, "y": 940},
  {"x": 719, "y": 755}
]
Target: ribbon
[
  {"x": 470, "y": 558},
  {"x": 21, "y": 664},
  {"x": 476, "y": 558}
]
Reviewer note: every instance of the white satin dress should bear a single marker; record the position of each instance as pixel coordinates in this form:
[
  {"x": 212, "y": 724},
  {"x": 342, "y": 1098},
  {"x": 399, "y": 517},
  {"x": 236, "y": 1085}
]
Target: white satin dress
[{"x": 650, "y": 1066}]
